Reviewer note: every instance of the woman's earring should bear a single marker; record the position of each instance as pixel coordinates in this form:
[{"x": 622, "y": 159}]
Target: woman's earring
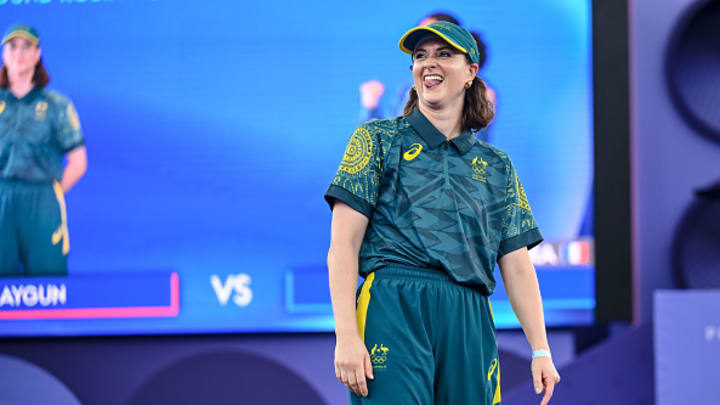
[{"x": 468, "y": 84}]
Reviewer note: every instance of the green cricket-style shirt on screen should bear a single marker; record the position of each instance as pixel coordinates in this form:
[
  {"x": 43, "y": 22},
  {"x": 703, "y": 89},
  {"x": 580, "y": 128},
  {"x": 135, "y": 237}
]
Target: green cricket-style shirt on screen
[{"x": 36, "y": 131}]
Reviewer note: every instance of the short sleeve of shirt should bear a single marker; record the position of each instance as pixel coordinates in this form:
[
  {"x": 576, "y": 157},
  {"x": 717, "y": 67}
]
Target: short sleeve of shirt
[
  {"x": 357, "y": 181},
  {"x": 519, "y": 227},
  {"x": 69, "y": 133}
]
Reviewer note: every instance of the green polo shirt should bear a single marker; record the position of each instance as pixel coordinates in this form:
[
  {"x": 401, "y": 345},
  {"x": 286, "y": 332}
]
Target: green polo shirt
[
  {"x": 36, "y": 131},
  {"x": 456, "y": 206}
]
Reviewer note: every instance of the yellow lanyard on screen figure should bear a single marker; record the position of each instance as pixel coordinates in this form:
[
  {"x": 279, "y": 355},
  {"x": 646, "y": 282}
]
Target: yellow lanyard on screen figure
[{"x": 62, "y": 232}]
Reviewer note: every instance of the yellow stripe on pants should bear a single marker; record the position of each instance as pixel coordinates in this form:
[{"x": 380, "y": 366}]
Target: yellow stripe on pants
[
  {"x": 495, "y": 366},
  {"x": 62, "y": 232},
  {"x": 363, "y": 303},
  {"x": 496, "y": 399}
]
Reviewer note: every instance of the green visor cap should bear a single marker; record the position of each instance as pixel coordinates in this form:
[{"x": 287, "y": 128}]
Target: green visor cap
[
  {"x": 453, "y": 34},
  {"x": 21, "y": 31}
]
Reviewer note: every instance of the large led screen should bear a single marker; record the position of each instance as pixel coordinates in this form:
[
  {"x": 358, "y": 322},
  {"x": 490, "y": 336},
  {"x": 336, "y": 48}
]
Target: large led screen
[{"x": 214, "y": 128}]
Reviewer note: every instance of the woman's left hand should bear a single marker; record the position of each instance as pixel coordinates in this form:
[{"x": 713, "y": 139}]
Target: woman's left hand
[{"x": 545, "y": 376}]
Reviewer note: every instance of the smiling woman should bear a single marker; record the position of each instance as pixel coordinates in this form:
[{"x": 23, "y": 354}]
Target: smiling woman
[
  {"x": 450, "y": 67},
  {"x": 424, "y": 220},
  {"x": 38, "y": 128}
]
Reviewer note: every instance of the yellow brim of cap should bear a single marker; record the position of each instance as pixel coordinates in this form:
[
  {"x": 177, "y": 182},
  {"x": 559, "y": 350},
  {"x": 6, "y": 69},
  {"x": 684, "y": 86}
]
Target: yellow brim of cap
[
  {"x": 434, "y": 31},
  {"x": 21, "y": 34}
]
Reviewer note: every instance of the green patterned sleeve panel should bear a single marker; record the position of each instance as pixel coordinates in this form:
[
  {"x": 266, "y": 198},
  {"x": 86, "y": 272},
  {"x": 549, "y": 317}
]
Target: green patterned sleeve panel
[
  {"x": 519, "y": 227},
  {"x": 67, "y": 124},
  {"x": 357, "y": 181}
]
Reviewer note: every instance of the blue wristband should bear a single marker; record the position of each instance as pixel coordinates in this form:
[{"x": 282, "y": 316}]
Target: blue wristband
[{"x": 541, "y": 353}]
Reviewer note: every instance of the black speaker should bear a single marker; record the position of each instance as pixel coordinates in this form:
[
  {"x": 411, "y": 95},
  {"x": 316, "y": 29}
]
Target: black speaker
[
  {"x": 696, "y": 248},
  {"x": 693, "y": 67},
  {"x": 224, "y": 377}
]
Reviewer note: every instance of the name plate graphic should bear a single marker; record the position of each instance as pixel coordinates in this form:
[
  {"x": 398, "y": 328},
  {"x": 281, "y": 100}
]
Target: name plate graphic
[{"x": 131, "y": 295}]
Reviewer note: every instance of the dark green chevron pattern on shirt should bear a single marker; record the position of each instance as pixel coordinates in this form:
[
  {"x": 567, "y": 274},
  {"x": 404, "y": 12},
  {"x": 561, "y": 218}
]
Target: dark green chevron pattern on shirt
[{"x": 455, "y": 206}]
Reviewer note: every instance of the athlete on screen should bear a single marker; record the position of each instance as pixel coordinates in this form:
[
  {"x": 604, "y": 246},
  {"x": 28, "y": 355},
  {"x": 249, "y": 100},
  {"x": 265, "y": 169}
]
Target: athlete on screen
[{"x": 38, "y": 128}]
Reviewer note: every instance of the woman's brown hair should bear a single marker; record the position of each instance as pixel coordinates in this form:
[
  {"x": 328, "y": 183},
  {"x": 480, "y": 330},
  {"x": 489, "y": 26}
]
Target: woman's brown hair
[
  {"x": 478, "y": 110},
  {"x": 40, "y": 77}
]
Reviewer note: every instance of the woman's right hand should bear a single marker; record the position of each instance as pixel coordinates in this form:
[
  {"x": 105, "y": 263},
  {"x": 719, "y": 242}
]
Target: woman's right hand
[{"x": 352, "y": 363}]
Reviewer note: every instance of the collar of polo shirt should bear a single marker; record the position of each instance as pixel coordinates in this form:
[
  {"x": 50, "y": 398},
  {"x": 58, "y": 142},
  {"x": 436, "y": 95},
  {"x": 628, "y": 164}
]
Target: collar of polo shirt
[
  {"x": 434, "y": 138},
  {"x": 6, "y": 94}
]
